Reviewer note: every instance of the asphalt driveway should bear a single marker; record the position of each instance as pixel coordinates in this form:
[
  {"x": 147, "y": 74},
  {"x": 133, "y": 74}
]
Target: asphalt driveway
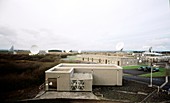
[{"x": 134, "y": 72}]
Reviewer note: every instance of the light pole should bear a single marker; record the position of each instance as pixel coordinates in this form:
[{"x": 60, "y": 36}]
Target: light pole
[{"x": 150, "y": 61}]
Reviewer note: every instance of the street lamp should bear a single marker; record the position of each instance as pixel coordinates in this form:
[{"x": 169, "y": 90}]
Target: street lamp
[{"x": 151, "y": 61}]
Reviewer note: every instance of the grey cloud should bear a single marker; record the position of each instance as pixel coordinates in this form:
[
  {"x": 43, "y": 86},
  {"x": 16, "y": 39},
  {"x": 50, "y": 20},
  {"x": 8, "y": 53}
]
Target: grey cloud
[
  {"x": 29, "y": 31},
  {"x": 159, "y": 43},
  {"x": 90, "y": 24},
  {"x": 8, "y": 35},
  {"x": 6, "y": 31},
  {"x": 44, "y": 38}
]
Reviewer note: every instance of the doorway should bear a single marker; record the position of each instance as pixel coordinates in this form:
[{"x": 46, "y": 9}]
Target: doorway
[
  {"x": 106, "y": 61},
  {"x": 118, "y": 63},
  {"x": 52, "y": 83}
]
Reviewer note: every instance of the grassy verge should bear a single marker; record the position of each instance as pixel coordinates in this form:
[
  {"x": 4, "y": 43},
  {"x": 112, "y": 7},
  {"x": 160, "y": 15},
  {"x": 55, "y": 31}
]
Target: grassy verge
[{"x": 161, "y": 73}]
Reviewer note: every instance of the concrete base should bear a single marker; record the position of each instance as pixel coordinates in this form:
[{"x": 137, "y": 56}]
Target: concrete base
[{"x": 68, "y": 95}]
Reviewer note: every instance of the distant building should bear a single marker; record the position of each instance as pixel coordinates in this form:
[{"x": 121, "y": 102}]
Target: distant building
[
  {"x": 104, "y": 59},
  {"x": 155, "y": 57},
  {"x": 54, "y": 51}
]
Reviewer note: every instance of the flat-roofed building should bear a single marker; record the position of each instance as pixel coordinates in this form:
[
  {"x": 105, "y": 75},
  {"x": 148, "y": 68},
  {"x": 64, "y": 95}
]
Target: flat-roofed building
[
  {"x": 81, "y": 77},
  {"x": 104, "y": 59}
]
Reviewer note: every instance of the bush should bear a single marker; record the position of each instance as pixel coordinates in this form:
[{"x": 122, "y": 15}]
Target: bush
[{"x": 20, "y": 71}]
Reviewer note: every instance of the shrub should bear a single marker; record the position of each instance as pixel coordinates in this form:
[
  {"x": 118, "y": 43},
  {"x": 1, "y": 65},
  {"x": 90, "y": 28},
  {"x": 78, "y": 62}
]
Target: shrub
[{"x": 17, "y": 74}]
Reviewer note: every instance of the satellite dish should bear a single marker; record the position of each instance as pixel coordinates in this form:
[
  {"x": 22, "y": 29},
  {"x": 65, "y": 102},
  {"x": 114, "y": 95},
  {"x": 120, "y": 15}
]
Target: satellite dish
[
  {"x": 120, "y": 46},
  {"x": 150, "y": 49},
  {"x": 34, "y": 49},
  {"x": 68, "y": 51},
  {"x": 46, "y": 51},
  {"x": 79, "y": 51},
  {"x": 11, "y": 49}
]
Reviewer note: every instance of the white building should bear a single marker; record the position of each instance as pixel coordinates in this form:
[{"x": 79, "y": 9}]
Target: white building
[
  {"x": 81, "y": 77},
  {"x": 104, "y": 59}
]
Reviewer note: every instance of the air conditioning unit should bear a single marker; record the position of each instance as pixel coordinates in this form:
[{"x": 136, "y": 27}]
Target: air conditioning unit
[
  {"x": 81, "y": 82},
  {"x": 77, "y": 85}
]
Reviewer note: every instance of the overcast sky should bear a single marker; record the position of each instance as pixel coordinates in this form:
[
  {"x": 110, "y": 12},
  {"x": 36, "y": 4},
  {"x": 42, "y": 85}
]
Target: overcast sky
[{"x": 85, "y": 24}]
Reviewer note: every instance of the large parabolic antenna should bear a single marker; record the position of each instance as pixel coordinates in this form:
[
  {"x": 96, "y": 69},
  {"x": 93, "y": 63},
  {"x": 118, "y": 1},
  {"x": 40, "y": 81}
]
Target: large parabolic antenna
[
  {"x": 79, "y": 51},
  {"x": 120, "y": 46},
  {"x": 34, "y": 49},
  {"x": 68, "y": 51},
  {"x": 11, "y": 49}
]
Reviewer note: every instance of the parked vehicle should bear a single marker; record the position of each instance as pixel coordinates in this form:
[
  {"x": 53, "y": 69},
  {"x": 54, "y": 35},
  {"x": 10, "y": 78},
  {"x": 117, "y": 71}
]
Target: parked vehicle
[
  {"x": 141, "y": 68},
  {"x": 148, "y": 69}
]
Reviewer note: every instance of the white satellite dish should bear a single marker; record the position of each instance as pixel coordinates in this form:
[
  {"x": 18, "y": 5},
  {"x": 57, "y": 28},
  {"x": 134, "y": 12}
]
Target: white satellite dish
[
  {"x": 11, "y": 49},
  {"x": 46, "y": 51},
  {"x": 34, "y": 49},
  {"x": 79, "y": 51},
  {"x": 120, "y": 46},
  {"x": 150, "y": 49},
  {"x": 68, "y": 51}
]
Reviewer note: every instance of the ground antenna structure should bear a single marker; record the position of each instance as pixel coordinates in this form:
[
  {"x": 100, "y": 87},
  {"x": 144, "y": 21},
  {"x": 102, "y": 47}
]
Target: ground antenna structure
[
  {"x": 34, "y": 49},
  {"x": 120, "y": 46}
]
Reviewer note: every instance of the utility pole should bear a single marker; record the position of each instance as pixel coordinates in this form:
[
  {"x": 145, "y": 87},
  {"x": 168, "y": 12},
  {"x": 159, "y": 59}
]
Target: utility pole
[{"x": 150, "y": 61}]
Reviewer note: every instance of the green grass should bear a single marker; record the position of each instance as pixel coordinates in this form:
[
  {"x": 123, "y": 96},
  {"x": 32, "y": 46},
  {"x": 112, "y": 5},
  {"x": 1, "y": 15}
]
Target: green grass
[
  {"x": 132, "y": 67},
  {"x": 161, "y": 73}
]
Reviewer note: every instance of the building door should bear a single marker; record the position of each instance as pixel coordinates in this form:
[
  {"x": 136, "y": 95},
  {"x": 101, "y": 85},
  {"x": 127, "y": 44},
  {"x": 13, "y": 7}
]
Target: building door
[
  {"x": 118, "y": 63},
  {"x": 52, "y": 83},
  {"x": 106, "y": 61},
  {"x": 99, "y": 60}
]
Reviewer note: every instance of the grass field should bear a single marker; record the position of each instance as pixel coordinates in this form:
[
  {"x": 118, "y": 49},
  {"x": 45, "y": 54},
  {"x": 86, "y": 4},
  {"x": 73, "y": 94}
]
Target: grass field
[
  {"x": 132, "y": 67},
  {"x": 161, "y": 73}
]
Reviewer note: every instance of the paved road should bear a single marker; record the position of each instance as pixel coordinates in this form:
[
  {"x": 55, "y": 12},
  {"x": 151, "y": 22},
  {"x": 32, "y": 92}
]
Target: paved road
[
  {"x": 156, "y": 81},
  {"x": 58, "y": 100},
  {"x": 134, "y": 72}
]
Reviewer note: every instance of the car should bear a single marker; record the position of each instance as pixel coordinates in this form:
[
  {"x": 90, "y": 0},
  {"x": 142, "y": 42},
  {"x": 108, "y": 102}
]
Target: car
[
  {"x": 141, "y": 68},
  {"x": 155, "y": 69},
  {"x": 148, "y": 69}
]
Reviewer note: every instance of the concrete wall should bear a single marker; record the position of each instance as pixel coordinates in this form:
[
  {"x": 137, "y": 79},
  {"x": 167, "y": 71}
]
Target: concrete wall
[
  {"x": 103, "y": 76},
  {"x": 60, "y": 76}
]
